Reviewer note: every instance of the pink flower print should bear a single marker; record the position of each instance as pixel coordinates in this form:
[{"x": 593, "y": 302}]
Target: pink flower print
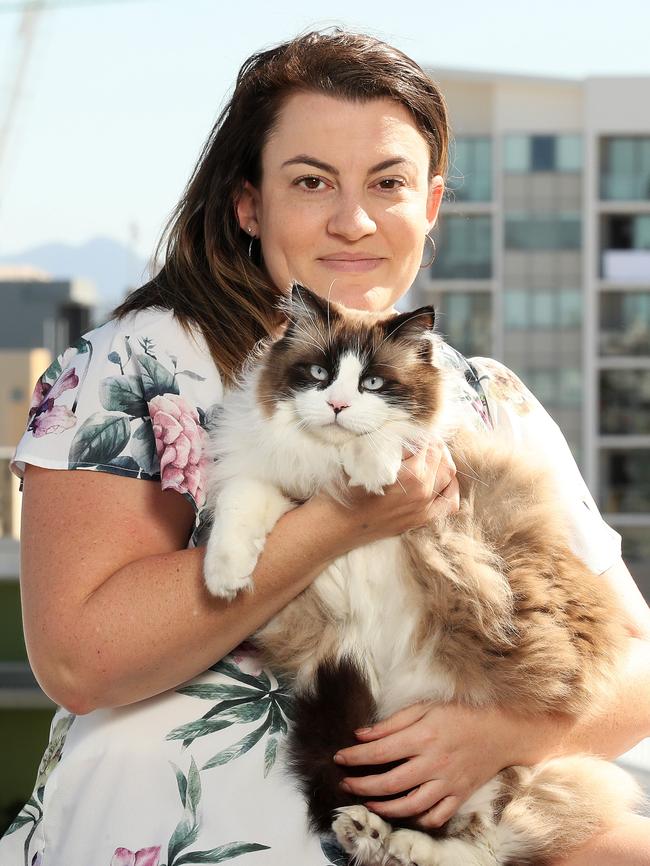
[
  {"x": 44, "y": 416},
  {"x": 179, "y": 445},
  {"x": 143, "y": 857}
]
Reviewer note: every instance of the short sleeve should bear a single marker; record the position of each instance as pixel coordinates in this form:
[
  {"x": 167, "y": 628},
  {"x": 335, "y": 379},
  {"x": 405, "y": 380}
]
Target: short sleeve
[
  {"x": 523, "y": 422},
  {"x": 132, "y": 397}
]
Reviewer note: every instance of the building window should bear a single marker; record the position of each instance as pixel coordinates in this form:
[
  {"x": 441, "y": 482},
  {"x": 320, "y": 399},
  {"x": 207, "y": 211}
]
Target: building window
[
  {"x": 543, "y": 231},
  {"x": 625, "y": 402},
  {"x": 553, "y": 309},
  {"x": 625, "y": 323},
  {"x": 536, "y": 153},
  {"x": 625, "y": 168},
  {"x": 464, "y": 248},
  {"x": 465, "y": 321},
  {"x": 470, "y": 174},
  {"x": 626, "y": 248},
  {"x": 625, "y": 480}
]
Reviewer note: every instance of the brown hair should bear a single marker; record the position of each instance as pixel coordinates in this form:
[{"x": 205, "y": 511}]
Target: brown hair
[{"x": 207, "y": 278}]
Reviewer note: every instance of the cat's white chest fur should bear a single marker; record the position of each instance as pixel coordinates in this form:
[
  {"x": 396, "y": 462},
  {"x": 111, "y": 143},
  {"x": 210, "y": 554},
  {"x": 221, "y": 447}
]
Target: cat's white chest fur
[{"x": 377, "y": 612}]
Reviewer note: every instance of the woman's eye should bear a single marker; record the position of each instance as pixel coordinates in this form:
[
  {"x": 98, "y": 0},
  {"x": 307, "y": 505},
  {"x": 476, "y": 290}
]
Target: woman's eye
[
  {"x": 319, "y": 373},
  {"x": 394, "y": 182},
  {"x": 310, "y": 182},
  {"x": 372, "y": 383}
]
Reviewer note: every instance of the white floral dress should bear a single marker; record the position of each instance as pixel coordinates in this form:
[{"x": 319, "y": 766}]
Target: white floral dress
[{"x": 195, "y": 775}]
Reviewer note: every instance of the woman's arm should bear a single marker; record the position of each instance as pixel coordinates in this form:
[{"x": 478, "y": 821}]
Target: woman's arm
[{"x": 115, "y": 609}]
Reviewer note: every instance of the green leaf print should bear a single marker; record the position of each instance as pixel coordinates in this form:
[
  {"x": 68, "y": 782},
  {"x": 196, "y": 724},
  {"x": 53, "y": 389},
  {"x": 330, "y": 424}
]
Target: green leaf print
[
  {"x": 157, "y": 380},
  {"x": 270, "y": 754},
  {"x": 193, "y": 788},
  {"x": 218, "y": 691},
  {"x": 198, "y": 728},
  {"x": 181, "y": 781},
  {"x": 222, "y": 853},
  {"x": 143, "y": 447},
  {"x": 191, "y": 375},
  {"x": 123, "y": 394},
  {"x": 183, "y": 836},
  {"x": 278, "y": 722},
  {"x": 240, "y": 747},
  {"x": 99, "y": 439},
  {"x": 231, "y": 670},
  {"x": 248, "y": 712}
]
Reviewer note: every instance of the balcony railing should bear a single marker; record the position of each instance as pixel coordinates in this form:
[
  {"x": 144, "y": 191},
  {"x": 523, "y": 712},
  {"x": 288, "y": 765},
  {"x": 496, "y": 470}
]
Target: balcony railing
[{"x": 631, "y": 267}]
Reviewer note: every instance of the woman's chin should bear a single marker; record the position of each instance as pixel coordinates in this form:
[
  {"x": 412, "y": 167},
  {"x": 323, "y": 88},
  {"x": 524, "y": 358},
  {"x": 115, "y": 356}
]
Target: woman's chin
[{"x": 374, "y": 299}]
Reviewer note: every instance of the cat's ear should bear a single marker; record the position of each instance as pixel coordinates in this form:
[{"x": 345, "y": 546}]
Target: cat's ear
[
  {"x": 411, "y": 326},
  {"x": 303, "y": 303}
]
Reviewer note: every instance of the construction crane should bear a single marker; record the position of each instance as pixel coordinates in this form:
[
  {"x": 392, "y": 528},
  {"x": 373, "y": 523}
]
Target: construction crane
[{"x": 26, "y": 31}]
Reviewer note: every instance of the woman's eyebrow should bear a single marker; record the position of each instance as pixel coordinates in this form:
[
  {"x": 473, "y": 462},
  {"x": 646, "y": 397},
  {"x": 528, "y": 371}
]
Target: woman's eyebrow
[{"x": 304, "y": 159}]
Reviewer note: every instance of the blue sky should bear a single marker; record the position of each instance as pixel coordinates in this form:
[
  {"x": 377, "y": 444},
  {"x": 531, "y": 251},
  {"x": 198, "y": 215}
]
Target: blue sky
[{"x": 119, "y": 97}]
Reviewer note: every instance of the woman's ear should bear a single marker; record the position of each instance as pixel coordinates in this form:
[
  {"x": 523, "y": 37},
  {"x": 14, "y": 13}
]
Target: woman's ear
[
  {"x": 434, "y": 199},
  {"x": 246, "y": 208}
]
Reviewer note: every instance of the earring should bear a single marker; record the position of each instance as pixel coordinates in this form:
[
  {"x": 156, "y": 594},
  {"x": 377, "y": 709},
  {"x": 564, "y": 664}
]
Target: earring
[
  {"x": 433, "y": 258},
  {"x": 250, "y": 246}
]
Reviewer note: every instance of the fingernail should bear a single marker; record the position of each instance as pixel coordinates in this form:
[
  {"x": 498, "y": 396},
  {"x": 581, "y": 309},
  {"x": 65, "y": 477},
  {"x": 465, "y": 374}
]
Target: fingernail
[
  {"x": 339, "y": 758},
  {"x": 363, "y": 730},
  {"x": 345, "y": 786}
]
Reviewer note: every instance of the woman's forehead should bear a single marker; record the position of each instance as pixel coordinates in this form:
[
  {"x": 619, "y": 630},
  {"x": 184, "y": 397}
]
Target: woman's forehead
[{"x": 342, "y": 132}]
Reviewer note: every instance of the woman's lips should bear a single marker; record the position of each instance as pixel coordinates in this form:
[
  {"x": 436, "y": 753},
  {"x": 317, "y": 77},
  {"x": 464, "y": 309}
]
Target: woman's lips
[{"x": 351, "y": 265}]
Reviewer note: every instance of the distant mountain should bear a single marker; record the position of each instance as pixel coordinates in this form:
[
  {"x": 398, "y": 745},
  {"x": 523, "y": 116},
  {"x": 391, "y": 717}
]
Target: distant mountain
[{"x": 111, "y": 265}]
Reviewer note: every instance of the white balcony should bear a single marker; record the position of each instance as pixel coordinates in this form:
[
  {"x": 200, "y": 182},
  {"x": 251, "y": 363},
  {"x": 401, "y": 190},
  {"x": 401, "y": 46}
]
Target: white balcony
[{"x": 631, "y": 267}]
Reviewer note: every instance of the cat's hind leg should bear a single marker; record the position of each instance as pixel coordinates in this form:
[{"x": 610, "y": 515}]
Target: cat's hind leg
[
  {"x": 363, "y": 834},
  {"x": 413, "y": 848}
]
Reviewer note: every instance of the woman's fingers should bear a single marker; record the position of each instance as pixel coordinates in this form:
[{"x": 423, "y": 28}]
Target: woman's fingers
[
  {"x": 397, "y": 722},
  {"x": 440, "y": 813},
  {"x": 416, "y": 802},
  {"x": 395, "y": 781}
]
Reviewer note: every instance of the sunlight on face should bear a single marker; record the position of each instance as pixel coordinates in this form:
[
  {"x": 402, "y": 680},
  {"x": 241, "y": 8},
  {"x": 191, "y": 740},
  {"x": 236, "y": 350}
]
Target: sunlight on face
[{"x": 344, "y": 203}]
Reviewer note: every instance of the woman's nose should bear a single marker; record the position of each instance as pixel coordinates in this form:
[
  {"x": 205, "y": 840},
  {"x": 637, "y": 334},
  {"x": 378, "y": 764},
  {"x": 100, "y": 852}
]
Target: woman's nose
[{"x": 350, "y": 220}]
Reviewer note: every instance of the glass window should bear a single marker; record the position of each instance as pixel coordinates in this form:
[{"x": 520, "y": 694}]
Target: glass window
[
  {"x": 543, "y": 232},
  {"x": 516, "y": 153},
  {"x": 624, "y": 480},
  {"x": 515, "y": 308},
  {"x": 543, "y": 309},
  {"x": 464, "y": 248},
  {"x": 470, "y": 174},
  {"x": 570, "y": 308},
  {"x": 465, "y": 320},
  {"x": 625, "y": 402},
  {"x": 636, "y": 553},
  {"x": 542, "y": 152},
  {"x": 532, "y": 153},
  {"x": 570, "y": 390},
  {"x": 625, "y": 323},
  {"x": 568, "y": 153},
  {"x": 625, "y": 168},
  {"x": 12, "y": 643}
]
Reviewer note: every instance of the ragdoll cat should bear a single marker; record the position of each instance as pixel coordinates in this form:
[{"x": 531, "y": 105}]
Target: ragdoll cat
[{"x": 486, "y": 606}]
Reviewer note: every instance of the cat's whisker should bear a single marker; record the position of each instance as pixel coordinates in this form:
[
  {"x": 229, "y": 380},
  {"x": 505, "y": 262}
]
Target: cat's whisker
[{"x": 473, "y": 477}]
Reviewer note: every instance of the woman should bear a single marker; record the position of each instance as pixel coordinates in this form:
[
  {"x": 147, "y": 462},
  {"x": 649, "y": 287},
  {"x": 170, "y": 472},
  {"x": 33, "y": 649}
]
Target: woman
[{"x": 327, "y": 167}]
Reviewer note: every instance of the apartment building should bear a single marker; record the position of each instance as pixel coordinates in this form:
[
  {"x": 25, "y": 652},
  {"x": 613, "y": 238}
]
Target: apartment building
[{"x": 543, "y": 261}]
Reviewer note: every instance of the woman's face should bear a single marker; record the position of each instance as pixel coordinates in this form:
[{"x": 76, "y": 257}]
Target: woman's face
[{"x": 344, "y": 203}]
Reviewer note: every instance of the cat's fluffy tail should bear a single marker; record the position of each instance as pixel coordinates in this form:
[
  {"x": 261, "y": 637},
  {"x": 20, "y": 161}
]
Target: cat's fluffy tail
[
  {"x": 560, "y": 804},
  {"x": 338, "y": 702}
]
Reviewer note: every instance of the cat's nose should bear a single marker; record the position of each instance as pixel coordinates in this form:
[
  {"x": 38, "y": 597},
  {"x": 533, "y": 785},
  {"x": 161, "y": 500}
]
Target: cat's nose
[{"x": 338, "y": 405}]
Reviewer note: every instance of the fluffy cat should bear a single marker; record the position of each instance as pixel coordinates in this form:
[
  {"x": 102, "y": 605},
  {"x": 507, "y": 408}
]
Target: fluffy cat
[{"x": 486, "y": 606}]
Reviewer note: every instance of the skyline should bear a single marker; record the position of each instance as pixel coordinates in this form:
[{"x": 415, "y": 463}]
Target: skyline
[{"x": 105, "y": 138}]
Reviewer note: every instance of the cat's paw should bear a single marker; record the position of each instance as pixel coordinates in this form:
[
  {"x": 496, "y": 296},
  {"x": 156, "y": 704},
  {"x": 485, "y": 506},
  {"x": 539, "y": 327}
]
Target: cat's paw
[
  {"x": 370, "y": 467},
  {"x": 362, "y": 834},
  {"x": 227, "y": 568},
  {"x": 410, "y": 847}
]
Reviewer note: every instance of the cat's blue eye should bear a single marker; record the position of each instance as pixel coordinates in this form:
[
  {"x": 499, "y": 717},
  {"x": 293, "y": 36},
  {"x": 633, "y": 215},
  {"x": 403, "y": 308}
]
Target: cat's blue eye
[
  {"x": 372, "y": 383},
  {"x": 319, "y": 373}
]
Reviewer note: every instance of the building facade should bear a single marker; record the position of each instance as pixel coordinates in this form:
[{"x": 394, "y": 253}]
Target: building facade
[{"x": 543, "y": 261}]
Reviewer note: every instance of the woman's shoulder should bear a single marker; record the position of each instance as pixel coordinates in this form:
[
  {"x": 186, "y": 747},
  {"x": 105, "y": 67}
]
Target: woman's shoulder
[{"x": 131, "y": 397}]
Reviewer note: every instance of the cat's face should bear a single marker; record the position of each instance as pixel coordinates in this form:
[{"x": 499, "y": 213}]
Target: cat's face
[{"x": 345, "y": 373}]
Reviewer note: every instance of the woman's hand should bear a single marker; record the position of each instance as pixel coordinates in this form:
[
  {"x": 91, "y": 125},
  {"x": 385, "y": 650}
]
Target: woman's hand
[
  {"x": 449, "y": 751},
  {"x": 426, "y": 489}
]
